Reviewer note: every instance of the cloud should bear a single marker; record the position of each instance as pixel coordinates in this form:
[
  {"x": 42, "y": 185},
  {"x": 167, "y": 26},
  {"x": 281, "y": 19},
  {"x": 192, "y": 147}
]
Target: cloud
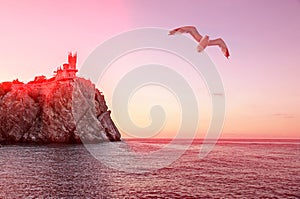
[
  {"x": 218, "y": 94},
  {"x": 283, "y": 115}
]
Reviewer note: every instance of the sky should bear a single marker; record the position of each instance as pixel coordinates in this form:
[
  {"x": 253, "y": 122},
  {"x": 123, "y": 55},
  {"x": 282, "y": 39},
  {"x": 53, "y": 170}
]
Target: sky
[{"x": 261, "y": 78}]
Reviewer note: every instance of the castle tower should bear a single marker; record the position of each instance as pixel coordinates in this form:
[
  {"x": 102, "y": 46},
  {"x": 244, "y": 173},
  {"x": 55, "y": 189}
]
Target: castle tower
[
  {"x": 72, "y": 61},
  {"x": 69, "y": 69}
]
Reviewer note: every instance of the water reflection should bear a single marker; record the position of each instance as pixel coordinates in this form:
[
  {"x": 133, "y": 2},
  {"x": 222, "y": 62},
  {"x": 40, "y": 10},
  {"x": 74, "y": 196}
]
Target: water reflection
[
  {"x": 52, "y": 170},
  {"x": 232, "y": 169}
]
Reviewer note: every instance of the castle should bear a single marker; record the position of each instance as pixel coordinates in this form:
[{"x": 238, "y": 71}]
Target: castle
[
  {"x": 69, "y": 69},
  {"x": 66, "y": 73}
]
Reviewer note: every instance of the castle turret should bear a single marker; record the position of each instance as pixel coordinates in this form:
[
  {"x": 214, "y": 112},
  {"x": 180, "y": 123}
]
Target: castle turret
[
  {"x": 69, "y": 69},
  {"x": 72, "y": 61}
]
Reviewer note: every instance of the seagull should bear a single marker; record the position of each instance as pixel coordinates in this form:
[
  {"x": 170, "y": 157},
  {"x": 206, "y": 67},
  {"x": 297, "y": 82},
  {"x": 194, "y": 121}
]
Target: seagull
[{"x": 203, "y": 41}]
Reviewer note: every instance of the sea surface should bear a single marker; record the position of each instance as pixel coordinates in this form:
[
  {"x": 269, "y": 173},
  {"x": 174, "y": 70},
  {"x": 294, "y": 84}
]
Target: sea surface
[{"x": 233, "y": 169}]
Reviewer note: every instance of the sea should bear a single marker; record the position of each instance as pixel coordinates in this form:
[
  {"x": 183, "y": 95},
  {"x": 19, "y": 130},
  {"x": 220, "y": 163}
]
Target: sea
[{"x": 234, "y": 168}]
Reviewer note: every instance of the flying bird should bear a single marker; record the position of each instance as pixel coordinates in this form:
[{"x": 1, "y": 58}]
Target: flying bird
[{"x": 203, "y": 41}]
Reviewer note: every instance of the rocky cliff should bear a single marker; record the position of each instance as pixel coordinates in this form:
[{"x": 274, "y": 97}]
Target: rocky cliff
[{"x": 65, "y": 111}]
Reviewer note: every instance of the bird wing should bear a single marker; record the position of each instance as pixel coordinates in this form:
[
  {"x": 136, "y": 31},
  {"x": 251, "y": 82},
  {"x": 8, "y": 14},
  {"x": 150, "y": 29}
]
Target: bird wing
[
  {"x": 220, "y": 42},
  {"x": 187, "y": 29}
]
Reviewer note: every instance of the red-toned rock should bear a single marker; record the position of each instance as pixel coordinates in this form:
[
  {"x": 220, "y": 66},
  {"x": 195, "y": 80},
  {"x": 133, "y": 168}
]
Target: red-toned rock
[{"x": 54, "y": 111}]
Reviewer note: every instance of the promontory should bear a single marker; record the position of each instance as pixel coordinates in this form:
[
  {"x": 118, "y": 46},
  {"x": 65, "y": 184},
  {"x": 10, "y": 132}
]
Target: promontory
[{"x": 63, "y": 109}]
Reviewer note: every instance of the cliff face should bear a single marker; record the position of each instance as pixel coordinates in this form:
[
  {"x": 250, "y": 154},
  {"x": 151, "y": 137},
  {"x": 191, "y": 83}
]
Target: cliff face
[{"x": 66, "y": 111}]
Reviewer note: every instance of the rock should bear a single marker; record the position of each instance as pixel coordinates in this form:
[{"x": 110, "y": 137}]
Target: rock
[{"x": 54, "y": 111}]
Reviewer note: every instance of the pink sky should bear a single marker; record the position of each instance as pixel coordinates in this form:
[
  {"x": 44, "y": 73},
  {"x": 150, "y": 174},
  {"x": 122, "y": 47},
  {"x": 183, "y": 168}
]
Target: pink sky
[{"x": 261, "y": 78}]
